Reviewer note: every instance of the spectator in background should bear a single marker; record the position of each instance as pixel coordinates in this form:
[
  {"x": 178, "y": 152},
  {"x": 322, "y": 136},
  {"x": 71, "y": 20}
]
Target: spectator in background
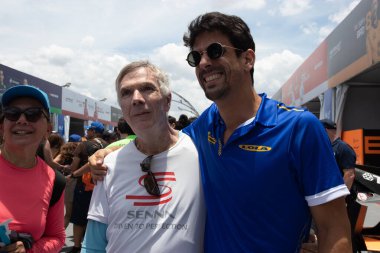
[
  {"x": 26, "y": 184},
  {"x": 113, "y": 137},
  {"x": 344, "y": 154},
  {"x": 65, "y": 157},
  {"x": 110, "y": 136},
  {"x": 126, "y": 133},
  {"x": 44, "y": 151},
  {"x": 345, "y": 157},
  {"x": 116, "y": 130},
  {"x": 55, "y": 141},
  {"x": 183, "y": 121},
  {"x": 172, "y": 121},
  {"x": 75, "y": 138},
  {"x": 84, "y": 187}
]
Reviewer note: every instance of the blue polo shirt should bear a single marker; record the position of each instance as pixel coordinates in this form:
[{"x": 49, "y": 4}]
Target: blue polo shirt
[{"x": 259, "y": 185}]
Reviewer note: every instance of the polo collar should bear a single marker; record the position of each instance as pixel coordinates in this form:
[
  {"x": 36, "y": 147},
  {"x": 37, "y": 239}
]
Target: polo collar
[{"x": 266, "y": 114}]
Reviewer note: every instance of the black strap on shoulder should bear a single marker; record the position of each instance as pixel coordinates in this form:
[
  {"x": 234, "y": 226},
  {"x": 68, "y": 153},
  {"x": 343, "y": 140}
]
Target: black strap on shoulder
[{"x": 59, "y": 186}]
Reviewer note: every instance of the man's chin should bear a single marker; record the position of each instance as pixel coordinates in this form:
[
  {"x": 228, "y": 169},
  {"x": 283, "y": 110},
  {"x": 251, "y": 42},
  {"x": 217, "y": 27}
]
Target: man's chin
[{"x": 214, "y": 94}]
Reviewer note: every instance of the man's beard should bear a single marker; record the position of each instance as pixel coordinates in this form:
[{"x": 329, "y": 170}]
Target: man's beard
[{"x": 218, "y": 94}]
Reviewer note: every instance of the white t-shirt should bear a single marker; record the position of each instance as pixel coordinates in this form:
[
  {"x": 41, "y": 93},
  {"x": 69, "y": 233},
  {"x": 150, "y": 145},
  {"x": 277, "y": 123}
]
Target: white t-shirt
[{"x": 140, "y": 222}]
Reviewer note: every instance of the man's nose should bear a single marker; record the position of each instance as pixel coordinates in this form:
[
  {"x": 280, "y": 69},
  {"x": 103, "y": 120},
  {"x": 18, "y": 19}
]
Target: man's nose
[
  {"x": 137, "y": 97},
  {"x": 205, "y": 60}
]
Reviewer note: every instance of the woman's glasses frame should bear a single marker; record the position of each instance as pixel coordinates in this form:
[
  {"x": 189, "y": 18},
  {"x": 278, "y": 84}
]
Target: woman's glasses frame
[{"x": 32, "y": 114}]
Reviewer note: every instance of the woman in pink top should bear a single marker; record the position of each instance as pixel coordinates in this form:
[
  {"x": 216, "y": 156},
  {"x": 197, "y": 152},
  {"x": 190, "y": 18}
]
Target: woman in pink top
[{"x": 26, "y": 181}]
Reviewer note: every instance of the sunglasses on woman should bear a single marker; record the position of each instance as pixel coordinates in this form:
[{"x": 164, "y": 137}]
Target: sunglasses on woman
[
  {"x": 214, "y": 51},
  {"x": 32, "y": 114},
  {"x": 150, "y": 182}
]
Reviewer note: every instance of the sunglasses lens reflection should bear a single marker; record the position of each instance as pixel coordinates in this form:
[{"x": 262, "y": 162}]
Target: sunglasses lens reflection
[
  {"x": 214, "y": 51},
  {"x": 194, "y": 58}
]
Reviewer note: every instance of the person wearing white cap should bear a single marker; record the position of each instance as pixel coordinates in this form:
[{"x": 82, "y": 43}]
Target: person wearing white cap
[{"x": 26, "y": 187}]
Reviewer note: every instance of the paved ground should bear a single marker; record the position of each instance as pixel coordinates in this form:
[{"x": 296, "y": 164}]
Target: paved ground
[{"x": 69, "y": 239}]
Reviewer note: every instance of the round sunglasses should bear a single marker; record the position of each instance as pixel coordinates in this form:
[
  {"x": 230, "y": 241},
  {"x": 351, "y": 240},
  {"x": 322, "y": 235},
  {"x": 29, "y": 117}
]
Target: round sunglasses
[
  {"x": 32, "y": 114},
  {"x": 214, "y": 51}
]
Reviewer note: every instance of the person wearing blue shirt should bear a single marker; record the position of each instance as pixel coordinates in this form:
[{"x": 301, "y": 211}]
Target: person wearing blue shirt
[{"x": 267, "y": 169}]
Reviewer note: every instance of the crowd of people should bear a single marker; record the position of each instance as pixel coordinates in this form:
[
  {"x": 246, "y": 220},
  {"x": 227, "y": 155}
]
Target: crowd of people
[{"x": 250, "y": 174}]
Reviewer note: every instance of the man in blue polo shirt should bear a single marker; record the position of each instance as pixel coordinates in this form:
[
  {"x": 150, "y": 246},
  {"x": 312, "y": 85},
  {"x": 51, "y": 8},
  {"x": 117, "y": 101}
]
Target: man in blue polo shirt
[{"x": 267, "y": 168}]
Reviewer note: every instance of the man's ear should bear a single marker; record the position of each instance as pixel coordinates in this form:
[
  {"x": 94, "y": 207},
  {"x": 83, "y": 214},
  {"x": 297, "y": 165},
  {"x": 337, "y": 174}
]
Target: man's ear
[
  {"x": 168, "y": 102},
  {"x": 249, "y": 58}
]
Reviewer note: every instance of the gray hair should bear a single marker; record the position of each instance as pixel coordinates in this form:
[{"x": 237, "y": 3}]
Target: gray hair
[{"x": 161, "y": 77}]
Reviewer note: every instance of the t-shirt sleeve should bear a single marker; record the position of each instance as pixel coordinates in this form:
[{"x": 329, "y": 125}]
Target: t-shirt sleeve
[
  {"x": 99, "y": 209},
  {"x": 314, "y": 161}
]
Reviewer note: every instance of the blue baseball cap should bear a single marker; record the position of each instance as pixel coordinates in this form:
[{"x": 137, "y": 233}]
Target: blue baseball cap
[
  {"x": 96, "y": 126},
  {"x": 26, "y": 91},
  {"x": 75, "y": 138}
]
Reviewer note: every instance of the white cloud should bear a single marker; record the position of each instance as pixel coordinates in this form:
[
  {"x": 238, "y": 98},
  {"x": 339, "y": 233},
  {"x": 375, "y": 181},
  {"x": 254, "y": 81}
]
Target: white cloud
[
  {"x": 88, "y": 41},
  {"x": 89, "y": 44},
  {"x": 309, "y": 28},
  {"x": 56, "y": 55},
  {"x": 171, "y": 58},
  {"x": 189, "y": 89},
  {"x": 245, "y": 4},
  {"x": 273, "y": 71},
  {"x": 324, "y": 31},
  {"x": 320, "y": 33},
  {"x": 294, "y": 7},
  {"x": 341, "y": 14}
]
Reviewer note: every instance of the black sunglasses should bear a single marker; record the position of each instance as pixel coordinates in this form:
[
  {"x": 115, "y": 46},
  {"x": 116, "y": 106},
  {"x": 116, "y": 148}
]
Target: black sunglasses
[
  {"x": 150, "y": 182},
  {"x": 214, "y": 51},
  {"x": 32, "y": 114}
]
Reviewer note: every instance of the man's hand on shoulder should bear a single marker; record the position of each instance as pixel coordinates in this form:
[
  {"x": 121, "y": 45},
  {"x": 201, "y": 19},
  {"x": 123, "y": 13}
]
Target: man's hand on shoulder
[{"x": 96, "y": 162}]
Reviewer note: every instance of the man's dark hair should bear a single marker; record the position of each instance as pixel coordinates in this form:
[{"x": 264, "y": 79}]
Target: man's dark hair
[
  {"x": 123, "y": 127},
  {"x": 232, "y": 26}
]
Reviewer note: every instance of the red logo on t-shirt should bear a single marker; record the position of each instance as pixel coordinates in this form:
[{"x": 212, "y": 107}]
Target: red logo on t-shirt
[{"x": 149, "y": 200}]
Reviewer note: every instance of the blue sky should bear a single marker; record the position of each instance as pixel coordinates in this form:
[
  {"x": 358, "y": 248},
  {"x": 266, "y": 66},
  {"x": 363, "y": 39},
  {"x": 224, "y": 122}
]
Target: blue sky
[{"x": 87, "y": 42}]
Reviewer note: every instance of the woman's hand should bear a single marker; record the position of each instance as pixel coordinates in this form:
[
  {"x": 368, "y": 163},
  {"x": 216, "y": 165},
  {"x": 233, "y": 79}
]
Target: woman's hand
[{"x": 17, "y": 247}]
